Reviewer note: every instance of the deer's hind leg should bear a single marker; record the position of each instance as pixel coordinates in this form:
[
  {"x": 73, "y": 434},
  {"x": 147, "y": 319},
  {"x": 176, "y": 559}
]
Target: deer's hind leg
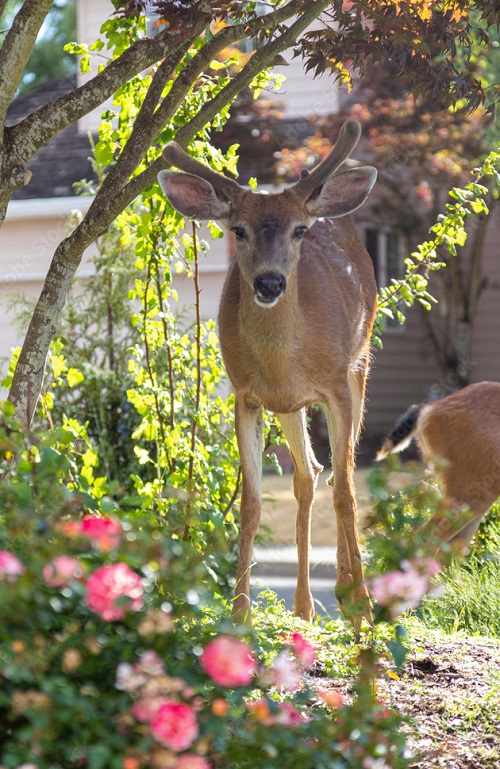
[
  {"x": 350, "y": 588},
  {"x": 306, "y": 471}
]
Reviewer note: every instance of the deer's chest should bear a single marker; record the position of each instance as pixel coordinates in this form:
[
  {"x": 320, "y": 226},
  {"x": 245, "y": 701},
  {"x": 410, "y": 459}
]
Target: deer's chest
[{"x": 272, "y": 374}]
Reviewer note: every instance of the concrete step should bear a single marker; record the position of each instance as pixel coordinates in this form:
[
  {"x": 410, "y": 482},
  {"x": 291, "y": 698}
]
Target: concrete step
[{"x": 281, "y": 561}]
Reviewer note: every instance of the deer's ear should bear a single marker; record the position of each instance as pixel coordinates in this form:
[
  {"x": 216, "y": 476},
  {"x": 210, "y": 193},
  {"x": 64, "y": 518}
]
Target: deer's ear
[
  {"x": 342, "y": 193},
  {"x": 192, "y": 196}
]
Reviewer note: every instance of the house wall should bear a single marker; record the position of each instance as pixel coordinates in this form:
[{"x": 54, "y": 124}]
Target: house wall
[
  {"x": 28, "y": 238},
  {"x": 405, "y": 371}
]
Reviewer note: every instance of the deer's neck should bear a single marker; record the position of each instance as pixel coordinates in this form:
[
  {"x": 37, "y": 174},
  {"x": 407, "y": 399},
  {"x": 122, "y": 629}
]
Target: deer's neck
[{"x": 270, "y": 329}]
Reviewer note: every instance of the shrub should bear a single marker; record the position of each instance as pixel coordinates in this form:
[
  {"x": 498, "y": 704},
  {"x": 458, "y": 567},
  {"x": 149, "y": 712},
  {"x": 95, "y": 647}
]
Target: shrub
[{"x": 115, "y": 651}]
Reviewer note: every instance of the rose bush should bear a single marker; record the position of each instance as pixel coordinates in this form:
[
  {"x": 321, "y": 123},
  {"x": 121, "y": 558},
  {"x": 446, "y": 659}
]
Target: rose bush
[{"x": 116, "y": 654}]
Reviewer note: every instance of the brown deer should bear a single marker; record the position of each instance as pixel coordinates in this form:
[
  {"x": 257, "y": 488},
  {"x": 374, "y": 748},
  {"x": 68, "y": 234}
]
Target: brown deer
[
  {"x": 295, "y": 318},
  {"x": 459, "y": 438}
]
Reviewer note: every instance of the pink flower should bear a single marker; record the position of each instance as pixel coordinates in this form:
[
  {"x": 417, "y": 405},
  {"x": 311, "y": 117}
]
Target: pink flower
[
  {"x": 303, "y": 650},
  {"x": 61, "y": 571},
  {"x": 174, "y": 726},
  {"x": 105, "y": 533},
  {"x": 228, "y": 661},
  {"x": 114, "y": 590},
  {"x": 192, "y": 761},
  {"x": 399, "y": 590},
  {"x": 403, "y": 590},
  {"x": 284, "y": 673},
  {"x": 146, "y": 708},
  {"x": 287, "y": 715},
  {"x": 151, "y": 663},
  {"x": 10, "y": 565}
]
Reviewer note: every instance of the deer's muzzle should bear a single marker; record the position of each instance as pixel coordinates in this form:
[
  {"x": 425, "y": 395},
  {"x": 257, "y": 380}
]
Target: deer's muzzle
[{"x": 268, "y": 288}]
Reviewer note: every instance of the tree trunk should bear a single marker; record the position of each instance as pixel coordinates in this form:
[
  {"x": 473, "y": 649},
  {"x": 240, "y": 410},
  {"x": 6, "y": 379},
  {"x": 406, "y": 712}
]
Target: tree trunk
[{"x": 114, "y": 198}]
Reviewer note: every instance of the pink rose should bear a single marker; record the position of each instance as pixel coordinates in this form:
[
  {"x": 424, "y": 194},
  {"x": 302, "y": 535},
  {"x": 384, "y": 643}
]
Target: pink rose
[
  {"x": 109, "y": 586},
  {"x": 288, "y": 715},
  {"x": 192, "y": 761},
  {"x": 174, "y": 726},
  {"x": 105, "y": 533},
  {"x": 284, "y": 673},
  {"x": 10, "y": 565},
  {"x": 303, "y": 650},
  {"x": 145, "y": 709},
  {"x": 228, "y": 661},
  {"x": 399, "y": 590},
  {"x": 61, "y": 571}
]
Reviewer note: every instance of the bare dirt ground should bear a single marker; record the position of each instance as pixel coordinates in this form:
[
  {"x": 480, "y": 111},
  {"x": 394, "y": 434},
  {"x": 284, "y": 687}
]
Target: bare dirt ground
[{"x": 449, "y": 688}]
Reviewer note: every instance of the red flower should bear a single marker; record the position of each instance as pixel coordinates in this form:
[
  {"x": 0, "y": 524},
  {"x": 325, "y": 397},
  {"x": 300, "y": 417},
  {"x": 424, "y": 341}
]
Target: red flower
[
  {"x": 303, "y": 650},
  {"x": 105, "y": 533}
]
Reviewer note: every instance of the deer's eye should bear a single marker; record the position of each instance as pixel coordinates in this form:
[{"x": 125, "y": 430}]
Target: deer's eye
[
  {"x": 299, "y": 232},
  {"x": 239, "y": 232}
]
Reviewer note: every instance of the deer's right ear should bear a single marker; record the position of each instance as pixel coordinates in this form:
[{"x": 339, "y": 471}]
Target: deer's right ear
[{"x": 192, "y": 196}]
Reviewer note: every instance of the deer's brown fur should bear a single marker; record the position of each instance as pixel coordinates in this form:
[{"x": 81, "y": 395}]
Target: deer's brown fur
[
  {"x": 459, "y": 438},
  {"x": 295, "y": 319}
]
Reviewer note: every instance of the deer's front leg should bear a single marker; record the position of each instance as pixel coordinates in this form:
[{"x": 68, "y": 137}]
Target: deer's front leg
[
  {"x": 350, "y": 589},
  {"x": 248, "y": 422}
]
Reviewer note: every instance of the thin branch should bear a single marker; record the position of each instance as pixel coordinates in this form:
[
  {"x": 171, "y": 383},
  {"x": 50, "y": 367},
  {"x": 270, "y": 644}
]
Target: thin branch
[
  {"x": 261, "y": 59},
  {"x": 197, "y": 397}
]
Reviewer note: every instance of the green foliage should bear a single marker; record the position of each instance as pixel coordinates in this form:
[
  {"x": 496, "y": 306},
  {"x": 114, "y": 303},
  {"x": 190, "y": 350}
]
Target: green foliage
[
  {"x": 449, "y": 232},
  {"x": 465, "y": 593}
]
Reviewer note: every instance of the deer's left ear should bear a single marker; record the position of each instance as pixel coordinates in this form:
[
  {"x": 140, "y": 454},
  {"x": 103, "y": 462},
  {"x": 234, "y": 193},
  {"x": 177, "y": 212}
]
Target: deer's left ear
[
  {"x": 193, "y": 196},
  {"x": 342, "y": 193}
]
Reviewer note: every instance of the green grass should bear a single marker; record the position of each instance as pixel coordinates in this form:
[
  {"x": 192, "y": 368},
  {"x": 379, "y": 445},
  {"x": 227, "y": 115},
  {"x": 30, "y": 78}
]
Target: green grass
[{"x": 470, "y": 601}]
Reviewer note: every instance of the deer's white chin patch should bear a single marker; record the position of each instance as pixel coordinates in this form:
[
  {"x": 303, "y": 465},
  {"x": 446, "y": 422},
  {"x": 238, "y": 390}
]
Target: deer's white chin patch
[{"x": 263, "y": 303}]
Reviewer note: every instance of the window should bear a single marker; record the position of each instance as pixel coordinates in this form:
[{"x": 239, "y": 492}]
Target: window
[{"x": 386, "y": 250}]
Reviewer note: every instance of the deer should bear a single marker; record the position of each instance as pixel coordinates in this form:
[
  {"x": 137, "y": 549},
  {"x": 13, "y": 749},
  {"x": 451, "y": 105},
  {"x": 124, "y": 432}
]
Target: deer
[
  {"x": 296, "y": 313},
  {"x": 459, "y": 439}
]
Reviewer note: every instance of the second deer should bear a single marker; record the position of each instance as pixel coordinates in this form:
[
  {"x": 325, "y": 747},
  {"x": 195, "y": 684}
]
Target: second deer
[
  {"x": 295, "y": 318},
  {"x": 459, "y": 438}
]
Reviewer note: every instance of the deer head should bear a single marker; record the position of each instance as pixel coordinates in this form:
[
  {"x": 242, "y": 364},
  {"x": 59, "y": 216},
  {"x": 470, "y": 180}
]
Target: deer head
[{"x": 269, "y": 228}]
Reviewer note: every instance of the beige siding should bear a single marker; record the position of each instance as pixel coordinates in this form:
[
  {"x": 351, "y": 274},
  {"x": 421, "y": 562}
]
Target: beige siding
[
  {"x": 486, "y": 337},
  {"x": 405, "y": 372},
  {"x": 302, "y": 94},
  {"x": 91, "y": 15},
  {"x": 28, "y": 238}
]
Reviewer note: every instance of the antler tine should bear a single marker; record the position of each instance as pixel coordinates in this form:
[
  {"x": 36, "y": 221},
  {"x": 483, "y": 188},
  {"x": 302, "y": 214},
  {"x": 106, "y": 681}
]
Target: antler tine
[
  {"x": 346, "y": 141},
  {"x": 176, "y": 156}
]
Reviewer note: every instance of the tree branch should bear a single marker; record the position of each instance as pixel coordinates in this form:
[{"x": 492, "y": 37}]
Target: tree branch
[
  {"x": 28, "y": 377},
  {"x": 17, "y": 47},
  {"x": 31, "y": 133}
]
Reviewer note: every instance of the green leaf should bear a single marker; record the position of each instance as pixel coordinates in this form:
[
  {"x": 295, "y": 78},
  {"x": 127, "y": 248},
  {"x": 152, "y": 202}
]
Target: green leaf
[{"x": 74, "y": 377}]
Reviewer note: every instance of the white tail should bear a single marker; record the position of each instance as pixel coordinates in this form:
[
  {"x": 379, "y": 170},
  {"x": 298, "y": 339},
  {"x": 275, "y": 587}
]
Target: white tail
[
  {"x": 459, "y": 437},
  {"x": 295, "y": 319}
]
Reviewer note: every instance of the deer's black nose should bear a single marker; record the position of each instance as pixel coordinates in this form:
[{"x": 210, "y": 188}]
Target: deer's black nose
[{"x": 268, "y": 287}]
